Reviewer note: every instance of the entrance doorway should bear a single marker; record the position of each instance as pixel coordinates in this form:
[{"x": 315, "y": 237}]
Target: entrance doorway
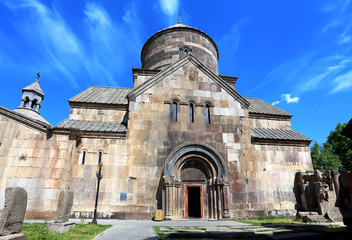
[{"x": 194, "y": 203}]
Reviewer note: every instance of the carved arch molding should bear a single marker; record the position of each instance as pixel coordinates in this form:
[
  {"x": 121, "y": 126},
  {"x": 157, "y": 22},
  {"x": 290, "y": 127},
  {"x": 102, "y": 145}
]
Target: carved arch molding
[{"x": 195, "y": 164}]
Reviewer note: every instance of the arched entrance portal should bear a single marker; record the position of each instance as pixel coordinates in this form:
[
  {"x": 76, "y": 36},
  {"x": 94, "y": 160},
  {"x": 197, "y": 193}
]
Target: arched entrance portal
[{"x": 195, "y": 183}]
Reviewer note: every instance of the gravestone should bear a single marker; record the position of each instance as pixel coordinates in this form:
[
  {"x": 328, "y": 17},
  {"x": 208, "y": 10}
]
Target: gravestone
[
  {"x": 11, "y": 217},
  {"x": 63, "y": 211},
  {"x": 334, "y": 215},
  {"x": 64, "y": 206}
]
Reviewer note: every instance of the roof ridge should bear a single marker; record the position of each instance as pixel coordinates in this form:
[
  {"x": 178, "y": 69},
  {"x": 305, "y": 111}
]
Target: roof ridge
[{"x": 95, "y": 86}]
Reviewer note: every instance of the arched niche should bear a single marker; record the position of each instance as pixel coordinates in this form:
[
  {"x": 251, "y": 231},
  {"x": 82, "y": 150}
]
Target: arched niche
[{"x": 195, "y": 168}]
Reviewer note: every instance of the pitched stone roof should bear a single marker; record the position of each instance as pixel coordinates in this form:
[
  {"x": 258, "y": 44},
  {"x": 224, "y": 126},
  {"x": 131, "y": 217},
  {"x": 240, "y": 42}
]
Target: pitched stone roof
[
  {"x": 31, "y": 114},
  {"x": 92, "y": 126},
  {"x": 258, "y": 106},
  {"x": 278, "y": 134},
  {"x": 102, "y": 95},
  {"x": 18, "y": 116},
  {"x": 34, "y": 87}
]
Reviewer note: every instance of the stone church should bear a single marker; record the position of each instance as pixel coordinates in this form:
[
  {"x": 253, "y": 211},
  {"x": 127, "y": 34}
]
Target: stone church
[{"x": 182, "y": 140}]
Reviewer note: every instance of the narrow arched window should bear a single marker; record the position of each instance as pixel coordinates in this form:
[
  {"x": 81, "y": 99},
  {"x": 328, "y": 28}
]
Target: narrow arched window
[
  {"x": 191, "y": 112},
  {"x": 99, "y": 161},
  {"x": 83, "y": 156},
  {"x": 207, "y": 113},
  {"x": 174, "y": 111}
]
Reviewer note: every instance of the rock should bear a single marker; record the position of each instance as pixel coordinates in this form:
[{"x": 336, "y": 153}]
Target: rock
[
  {"x": 314, "y": 218},
  {"x": 64, "y": 206},
  {"x": 61, "y": 227},
  {"x": 334, "y": 215},
  {"x": 12, "y": 215},
  {"x": 14, "y": 237},
  {"x": 301, "y": 215}
]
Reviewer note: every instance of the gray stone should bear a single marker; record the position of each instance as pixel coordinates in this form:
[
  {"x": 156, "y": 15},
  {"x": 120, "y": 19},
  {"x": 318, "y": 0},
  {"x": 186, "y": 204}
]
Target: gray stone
[
  {"x": 14, "y": 237},
  {"x": 12, "y": 215},
  {"x": 314, "y": 218},
  {"x": 334, "y": 215},
  {"x": 64, "y": 206},
  {"x": 300, "y": 215},
  {"x": 61, "y": 227}
]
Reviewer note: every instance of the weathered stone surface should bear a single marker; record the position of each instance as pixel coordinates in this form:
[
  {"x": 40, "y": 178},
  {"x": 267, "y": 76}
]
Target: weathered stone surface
[
  {"x": 61, "y": 227},
  {"x": 12, "y": 215},
  {"x": 301, "y": 215},
  {"x": 64, "y": 206},
  {"x": 314, "y": 218},
  {"x": 14, "y": 237},
  {"x": 334, "y": 215}
]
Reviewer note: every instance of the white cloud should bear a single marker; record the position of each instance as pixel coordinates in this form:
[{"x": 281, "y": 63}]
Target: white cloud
[
  {"x": 287, "y": 97},
  {"x": 343, "y": 82},
  {"x": 96, "y": 14},
  {"x": 169, "y": 7},
  {"x": 58, "y": 45}
]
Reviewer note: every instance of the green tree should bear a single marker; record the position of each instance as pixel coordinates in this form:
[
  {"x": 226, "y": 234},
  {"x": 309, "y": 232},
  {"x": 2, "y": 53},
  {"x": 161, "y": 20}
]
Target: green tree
[
  {"x": 324, "y": 159},
  {"x": 341, "y": 146}
]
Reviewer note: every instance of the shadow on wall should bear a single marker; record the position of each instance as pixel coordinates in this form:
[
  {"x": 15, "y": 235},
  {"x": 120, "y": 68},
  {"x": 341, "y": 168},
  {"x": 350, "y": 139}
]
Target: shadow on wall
[{"x": 325, "y": 195}]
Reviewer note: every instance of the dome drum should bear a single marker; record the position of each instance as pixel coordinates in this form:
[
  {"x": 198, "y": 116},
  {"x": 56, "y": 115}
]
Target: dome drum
[{"x": 171, "y": 44}]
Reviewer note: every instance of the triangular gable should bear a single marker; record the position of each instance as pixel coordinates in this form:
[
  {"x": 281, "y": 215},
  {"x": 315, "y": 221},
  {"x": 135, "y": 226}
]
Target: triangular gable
[
  {"x": 24, "y": 119},
  {"x": 180, "y": 63}
]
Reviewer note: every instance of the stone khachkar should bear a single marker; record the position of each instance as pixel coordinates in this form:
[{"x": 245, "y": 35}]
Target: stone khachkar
[
  {"x": 11, "y": 217},
  {"x": 61, "y": 224},
  {"x": 327, "y": 194}
]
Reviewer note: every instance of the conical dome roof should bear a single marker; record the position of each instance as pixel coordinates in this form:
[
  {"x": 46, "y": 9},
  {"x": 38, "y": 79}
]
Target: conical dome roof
[{"x": 34, "y": 87}]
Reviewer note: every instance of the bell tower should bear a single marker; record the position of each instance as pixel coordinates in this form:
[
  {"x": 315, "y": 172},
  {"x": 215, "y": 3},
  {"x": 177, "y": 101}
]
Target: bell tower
[{"x": 32, "y": 96}]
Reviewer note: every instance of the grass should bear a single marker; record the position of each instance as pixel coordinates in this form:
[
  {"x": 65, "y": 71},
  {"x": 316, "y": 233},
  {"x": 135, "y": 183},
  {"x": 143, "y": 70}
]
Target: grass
[
  {"x": 268, "y": 220},
  {"x": 38, "y": 231}
]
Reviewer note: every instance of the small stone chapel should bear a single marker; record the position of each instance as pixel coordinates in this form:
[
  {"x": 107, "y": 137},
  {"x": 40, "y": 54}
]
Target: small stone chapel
[{"x": 182, "y": 140}]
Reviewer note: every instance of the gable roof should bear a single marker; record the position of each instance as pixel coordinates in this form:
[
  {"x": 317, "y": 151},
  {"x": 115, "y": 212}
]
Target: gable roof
[
  {"x": 102, "y": 95},
  {"x": 178, "y": 64},
  {"x": 92, "y": 126},
  {"x": 258, "y": 106}
]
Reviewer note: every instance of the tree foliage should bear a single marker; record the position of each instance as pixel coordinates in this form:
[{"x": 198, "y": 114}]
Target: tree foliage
[{"x": 335, "y": 153}]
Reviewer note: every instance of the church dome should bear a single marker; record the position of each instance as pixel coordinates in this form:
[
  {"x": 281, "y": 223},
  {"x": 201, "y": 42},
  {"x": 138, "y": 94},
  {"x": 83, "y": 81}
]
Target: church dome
[{"x": 170, "y": 44}]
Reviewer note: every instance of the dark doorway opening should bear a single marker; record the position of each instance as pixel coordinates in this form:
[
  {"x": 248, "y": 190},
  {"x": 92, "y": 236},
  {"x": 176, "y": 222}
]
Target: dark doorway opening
[{"x": 194, "y": 200}]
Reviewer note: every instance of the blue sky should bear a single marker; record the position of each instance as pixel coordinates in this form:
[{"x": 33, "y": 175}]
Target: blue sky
[{"x": 294, "y": 54}]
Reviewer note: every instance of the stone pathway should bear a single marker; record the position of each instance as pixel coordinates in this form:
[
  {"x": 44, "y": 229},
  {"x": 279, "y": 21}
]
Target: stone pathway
[
  {"x": 233, "y": 232},
  {"x": 197, "y": 229}
]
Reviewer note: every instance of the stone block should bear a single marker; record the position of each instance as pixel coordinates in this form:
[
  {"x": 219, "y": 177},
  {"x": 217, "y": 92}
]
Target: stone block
[
  {"x": 61, "y": 227},
  {"x": 64, "y": 206},
  {"x": 14, "y": 237},
  {"x": 12, "y": 215},
  {"x": 314, "y": 218},
  {"x": 334, "y": 215}
]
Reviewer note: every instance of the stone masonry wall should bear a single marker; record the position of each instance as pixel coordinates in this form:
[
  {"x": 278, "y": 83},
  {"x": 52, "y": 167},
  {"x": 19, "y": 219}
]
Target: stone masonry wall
[
  {"x": 270, "y": 123},
  {"x": 153, "y": 135},
  {"x": 30, "y": 160},
  {"x": 97, "y": 114},
  {"x": 116, "y": 188},
  {"x": 269, "y": 180}
]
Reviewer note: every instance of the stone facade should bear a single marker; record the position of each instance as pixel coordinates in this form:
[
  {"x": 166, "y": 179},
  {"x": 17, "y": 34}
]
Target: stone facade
[{"x": 224, "y": 156}]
